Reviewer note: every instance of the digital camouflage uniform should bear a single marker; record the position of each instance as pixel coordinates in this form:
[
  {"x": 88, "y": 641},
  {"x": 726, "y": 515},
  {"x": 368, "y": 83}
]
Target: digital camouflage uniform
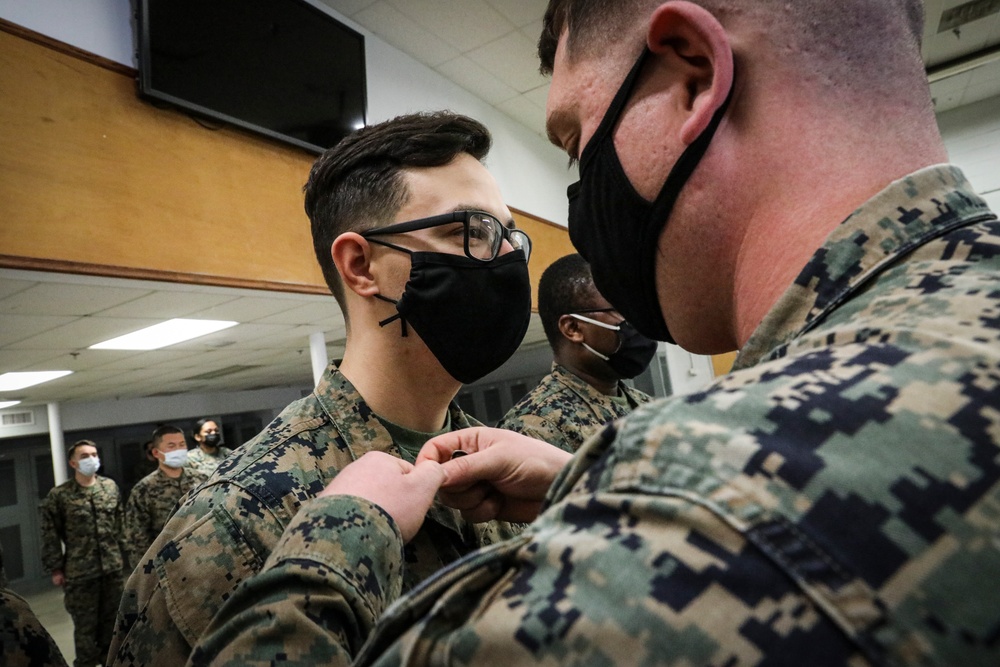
[
  {"x": 833, "y": 501},
  {"x": 202, "y": 461},
  {"x": 564, "y": 410},
  {"x": 88, "y": 520},
  {"x": 150, "y": 504},
  {"x": 23, "y": 640},
  {"x": 224, "y": 532}
]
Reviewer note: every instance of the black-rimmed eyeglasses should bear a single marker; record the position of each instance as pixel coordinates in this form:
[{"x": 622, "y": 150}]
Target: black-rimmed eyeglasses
[{"x": 482, "y": 234}]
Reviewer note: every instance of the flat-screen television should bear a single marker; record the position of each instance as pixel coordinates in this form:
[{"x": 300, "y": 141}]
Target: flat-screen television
[{"x": 282, "y": 68}]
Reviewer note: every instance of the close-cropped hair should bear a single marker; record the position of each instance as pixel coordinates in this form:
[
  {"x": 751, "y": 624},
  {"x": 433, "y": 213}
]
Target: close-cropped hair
[
  {"x": 566, "y": 286},
  {"x": 71, "y": 450},
  {"x": 358, "y": 184},
  {"x": 162, "y": 430},
  {"x": 849, "y": 41}
]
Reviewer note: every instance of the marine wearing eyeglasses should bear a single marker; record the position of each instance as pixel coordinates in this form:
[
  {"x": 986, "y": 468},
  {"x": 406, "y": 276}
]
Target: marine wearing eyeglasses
[{"x": 416, "y": 244}]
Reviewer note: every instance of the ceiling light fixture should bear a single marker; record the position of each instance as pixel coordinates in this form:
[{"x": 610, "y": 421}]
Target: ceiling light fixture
[
  {"x": 164, "y": 334},
  {"x": 20, "y": 380}
]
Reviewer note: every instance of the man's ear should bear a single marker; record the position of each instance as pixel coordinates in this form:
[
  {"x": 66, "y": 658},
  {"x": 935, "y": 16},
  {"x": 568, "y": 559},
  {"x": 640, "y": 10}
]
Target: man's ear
[
  {"x": 697, "y": 41},
  {"x": 569, "y": 327},
  {"x": 351, "y": 253}
]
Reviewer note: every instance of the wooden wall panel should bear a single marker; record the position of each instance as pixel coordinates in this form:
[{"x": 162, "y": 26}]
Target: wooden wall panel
[
  {"x": 93, "y": 177},
  {"x": 94, "y": 180}
]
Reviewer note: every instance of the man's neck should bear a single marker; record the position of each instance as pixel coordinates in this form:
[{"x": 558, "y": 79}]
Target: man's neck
[
  {"x": 405, "y": 389},
  {"x": 821, "y": 172},
  {"x": 172, "y": 473},
  {"x": 84, "y": 480},
  {"x": 606, "y": 386}
]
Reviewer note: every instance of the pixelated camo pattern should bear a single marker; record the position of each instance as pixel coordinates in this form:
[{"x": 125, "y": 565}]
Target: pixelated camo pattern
[
  {"x": 836, "y": 501},
  {"x": 564, "y": 410},
  {"x": 23, "y": 640},
  {"x": 202, "y": 461},
  {"x": 150, "y": 503},
  {"x": 222, "y": 534},
  {"x": 88, "y": 523}
]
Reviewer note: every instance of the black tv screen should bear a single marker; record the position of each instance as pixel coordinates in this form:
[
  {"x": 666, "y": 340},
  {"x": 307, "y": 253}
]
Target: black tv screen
[{"x": 282, "y": 68}]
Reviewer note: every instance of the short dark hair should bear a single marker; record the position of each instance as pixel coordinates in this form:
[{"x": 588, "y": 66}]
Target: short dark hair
[
  {"x": 162, "y": 430},
  {"x": 198, "y": 425},
  {"x": 586, "y": 19},
  {"x": 71, "y": 450},
  {"x": 566, "y": 286},
  {"x": 358, "y": 185}
]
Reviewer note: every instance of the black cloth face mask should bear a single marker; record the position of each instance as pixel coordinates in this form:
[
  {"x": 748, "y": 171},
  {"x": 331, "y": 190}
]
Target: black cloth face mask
[
  {"x": 213, "y": 439},
  {"x": 472, "y": 315},
  {"x": 615, "y": 229},
  {"x": 634, "y": 352}
]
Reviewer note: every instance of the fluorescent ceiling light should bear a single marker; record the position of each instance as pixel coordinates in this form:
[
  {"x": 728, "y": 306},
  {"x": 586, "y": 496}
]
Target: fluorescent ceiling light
[
  {"x": 163, "y": 334},
  {"x": 8, "y": 404},
  {"x": 15, "y": 381}
]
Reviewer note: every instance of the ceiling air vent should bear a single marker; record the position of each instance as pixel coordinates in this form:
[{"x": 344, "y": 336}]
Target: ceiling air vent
[
  {"x": 967, "y": 13},
  {"x": 19, "y": 418}
]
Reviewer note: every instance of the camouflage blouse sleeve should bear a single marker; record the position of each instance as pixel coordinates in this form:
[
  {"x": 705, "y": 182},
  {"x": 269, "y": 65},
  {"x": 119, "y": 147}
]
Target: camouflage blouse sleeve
[
  {"x": 24, "y": 642},
  {"x": 335, "y": 570},
  {"x": 136, "y": 538},
  {"x": 53, "y": 531}
]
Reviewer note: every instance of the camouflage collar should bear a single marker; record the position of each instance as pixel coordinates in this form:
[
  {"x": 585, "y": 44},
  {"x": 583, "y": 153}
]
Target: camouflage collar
[
  {"x": 356, "y": 421},
  {"x": 579, "y": 386},
  {"x": 907, "y": 214},
  {"x": 362, "y": 432}
]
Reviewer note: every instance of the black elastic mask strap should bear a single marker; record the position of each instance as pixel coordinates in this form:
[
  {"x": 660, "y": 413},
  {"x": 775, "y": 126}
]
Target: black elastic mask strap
[{"x": 397, "y": 316}]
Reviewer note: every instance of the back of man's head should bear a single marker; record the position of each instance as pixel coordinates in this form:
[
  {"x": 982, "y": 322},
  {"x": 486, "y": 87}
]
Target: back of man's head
[
  {"x": 566, "y": 286},
  {"x": 358, "y": 184},
  {"x": 853, "y": 46}
]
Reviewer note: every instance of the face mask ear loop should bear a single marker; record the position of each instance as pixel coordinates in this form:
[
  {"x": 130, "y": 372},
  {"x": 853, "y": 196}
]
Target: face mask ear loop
[
  {"x": 397, "y": 316},
  {"x": 595, "y": 352}
]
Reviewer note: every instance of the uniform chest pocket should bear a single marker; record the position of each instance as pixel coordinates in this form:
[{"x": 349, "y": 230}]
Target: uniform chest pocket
[
  {"x": 201, "y": 567},
  {"x": 80, "y": 513}
]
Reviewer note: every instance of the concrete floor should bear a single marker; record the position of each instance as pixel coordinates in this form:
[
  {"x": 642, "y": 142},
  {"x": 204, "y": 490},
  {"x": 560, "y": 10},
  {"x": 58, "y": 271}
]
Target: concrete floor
[{"x": 47, "y": 603}]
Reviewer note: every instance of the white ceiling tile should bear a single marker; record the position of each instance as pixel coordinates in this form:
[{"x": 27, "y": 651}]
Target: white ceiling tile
[
  {"x": 406, "y": 34},
  {"x": 246, "y": 309},
  {"x": 167, "y": 305},
  {"x": 324, "y": 313},
  {"x": 532, "y": 32},
  {"x": 10, "y": 286},
  {"x": 81, "y": 333},
  {"x": 64, "y": 299},
  {"x": 20, "y": 327},
  {"x": 348, "y": 7},
  {"x": 511, "y": 59},
  {"x": 520, "y": 12},
  {"x": 477, "y": 80},
  {"x": 19, "y": 360},
  {"x": 466, "y": 24},
  {"x": 985, "y": 75},
  {"x": 523, "y": 111},
  {"x": 538, "y": 96},
  {"x": 944, "y": 46},
  {"x": 132, "y": 360},
  {"x": 978, "y": 93},
  {"x": 947, "y": 93},
  {"x": 242, "y": 334}
]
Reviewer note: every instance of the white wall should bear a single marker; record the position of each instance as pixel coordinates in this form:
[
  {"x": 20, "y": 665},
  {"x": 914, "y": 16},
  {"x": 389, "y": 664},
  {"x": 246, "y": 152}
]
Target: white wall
[
  {"x": 154, "y": 409},
  {"x": 532, "y": 173},
  {"x": 972, "y": 136}
]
